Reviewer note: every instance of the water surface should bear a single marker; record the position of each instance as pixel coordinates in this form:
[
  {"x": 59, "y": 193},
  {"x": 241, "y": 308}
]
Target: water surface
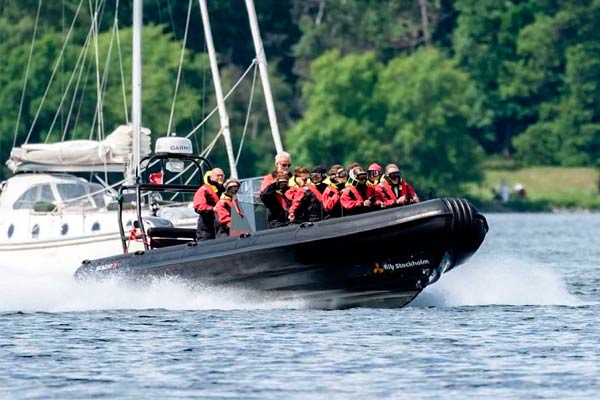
[{"x": 519, "y": 320}]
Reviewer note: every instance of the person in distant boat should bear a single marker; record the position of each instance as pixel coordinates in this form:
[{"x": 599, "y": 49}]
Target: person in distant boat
[
  {"x": 225, "y": 205},
  {"x": 358, "y": 197},
  {"x": 205, "y": 200},
  {"x": 395, "y": 190},
  {"x": 331, "y": 196},
  {"x": 306, "y": 204},
  {"x": 318, "y": 176},
  {"x": 283, "y": 162},
  {"x": 275, "y": 200},
  {"x": 374, "y": 173}
]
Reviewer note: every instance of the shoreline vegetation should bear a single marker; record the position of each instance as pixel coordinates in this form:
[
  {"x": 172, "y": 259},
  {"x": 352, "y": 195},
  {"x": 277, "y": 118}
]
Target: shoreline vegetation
[{"x": 548, "y": 189}]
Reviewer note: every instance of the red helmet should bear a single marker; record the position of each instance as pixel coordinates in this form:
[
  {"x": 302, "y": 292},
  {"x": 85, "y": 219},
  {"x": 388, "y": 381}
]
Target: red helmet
[
  {"x": 375, "y": 167},
  {"x": 374, "y": 171}
]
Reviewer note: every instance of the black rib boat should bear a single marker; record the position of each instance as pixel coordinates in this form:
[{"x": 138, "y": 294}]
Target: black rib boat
[{"x": 379, "y": 259}]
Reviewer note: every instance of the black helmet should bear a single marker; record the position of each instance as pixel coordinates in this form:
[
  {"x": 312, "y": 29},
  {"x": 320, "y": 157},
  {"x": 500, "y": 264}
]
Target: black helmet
[{"x": 318, "y": 173}]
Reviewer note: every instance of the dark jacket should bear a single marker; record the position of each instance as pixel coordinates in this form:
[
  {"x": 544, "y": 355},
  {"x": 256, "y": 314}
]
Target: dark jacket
[
  {"x": 277, "y": 205},
  {"x": 307, "y": 206}
]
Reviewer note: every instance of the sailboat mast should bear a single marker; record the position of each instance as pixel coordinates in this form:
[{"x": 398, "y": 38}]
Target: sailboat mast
[
  {"x": 136, "y": 90},
  {"x": 223, "y": 117},
  {"x": 264, "y": 74}
]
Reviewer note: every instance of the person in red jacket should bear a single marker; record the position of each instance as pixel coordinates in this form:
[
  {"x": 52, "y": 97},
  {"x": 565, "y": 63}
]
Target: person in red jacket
[
  {"x": 318, "y": 177},
  {"x": 306, "y": 203},
  {"x": 226, "y": 203},
  {"x": 205, "y": 200},
  {"x": 374, "y": 173},
  {"x": 283, "y": 162},
  {"x": 358, "y": 197},
  {"x": 331, "y": 196},
  {"x": 395, "y": 190},
  {"x": 299, "y": 180},
  {"x": 276, "y": 202}
]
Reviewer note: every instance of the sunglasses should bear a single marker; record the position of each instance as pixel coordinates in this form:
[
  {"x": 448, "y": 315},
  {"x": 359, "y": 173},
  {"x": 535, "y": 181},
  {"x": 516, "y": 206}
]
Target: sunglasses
[
  {"x": 285, "y": 165},
  {"x": 342, "y": 174},
  {"x": 394, "y": 175},
  {"x": 361, "y": 176},
  {"x": 373, "y": 173},
  {"x": 315, "y": 176}
]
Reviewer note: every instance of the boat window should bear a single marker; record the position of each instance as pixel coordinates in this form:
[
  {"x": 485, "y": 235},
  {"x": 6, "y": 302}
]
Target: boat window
[
  {"x": 96, "y": 227},
  {"x": 64, "y": 229},
  {"x": 97, "y": 192},
  {"x": 74, "y": 194},
  {"x": 11, "y": 230},
  {"x": 47, "y": 195},
  {"x": 35, "y": 232},
  {"x": 25, "y": 202}
]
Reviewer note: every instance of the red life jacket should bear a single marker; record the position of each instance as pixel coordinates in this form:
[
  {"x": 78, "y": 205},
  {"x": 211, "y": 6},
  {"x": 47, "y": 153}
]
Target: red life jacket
[
  {"x": 389, "y": 196},
  {"x": 290, "y": 194},
  {"x": 223, "y": 210},
  {"x": 331, "y": 198},
  {"x": 267, "y": 180},
  {"x": 205, "y": 198},
  {"x": 352, "y": 201},
  {"x": 312, "y": 211}
]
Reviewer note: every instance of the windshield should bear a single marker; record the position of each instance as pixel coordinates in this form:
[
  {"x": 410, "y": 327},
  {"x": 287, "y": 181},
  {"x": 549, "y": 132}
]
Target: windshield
[
  {"x": 97, "y": 192},
  {"x": 33, "y": 195},
  {"x": 74, "y": 194}
]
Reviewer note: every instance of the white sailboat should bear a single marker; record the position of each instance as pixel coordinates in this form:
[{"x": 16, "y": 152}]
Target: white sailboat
[
  {"x": 51, "y": 217},
  {"x": 48, "y": 214}
]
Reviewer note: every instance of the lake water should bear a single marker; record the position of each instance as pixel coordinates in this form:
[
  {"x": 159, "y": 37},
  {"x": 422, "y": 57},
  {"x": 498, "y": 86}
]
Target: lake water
[{"x": 519, "y": 320}]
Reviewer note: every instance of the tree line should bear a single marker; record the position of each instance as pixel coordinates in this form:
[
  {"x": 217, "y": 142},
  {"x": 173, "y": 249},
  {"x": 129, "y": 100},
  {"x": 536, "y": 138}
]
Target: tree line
[{"x": 434, "y": 85}]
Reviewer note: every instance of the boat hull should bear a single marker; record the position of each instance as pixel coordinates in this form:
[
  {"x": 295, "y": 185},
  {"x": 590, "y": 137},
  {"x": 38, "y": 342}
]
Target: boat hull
[{"x": 383, "y": 259}]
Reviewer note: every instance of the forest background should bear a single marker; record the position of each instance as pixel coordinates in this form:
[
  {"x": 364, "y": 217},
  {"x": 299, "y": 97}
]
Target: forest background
[{"x": 461, "y": 94}]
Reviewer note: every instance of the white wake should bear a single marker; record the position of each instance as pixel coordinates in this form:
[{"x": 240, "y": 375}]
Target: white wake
[
  {"x": 33, "y": 289},
  {"x": 502, "y": 281}
]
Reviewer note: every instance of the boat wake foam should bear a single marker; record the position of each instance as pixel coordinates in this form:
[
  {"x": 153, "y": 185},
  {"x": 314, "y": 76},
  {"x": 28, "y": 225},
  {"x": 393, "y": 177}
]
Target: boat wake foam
[
  {"x": 479, "y": 282},
  {"x": 498, "y": 282},
  {"x": 35, "y": 290}
]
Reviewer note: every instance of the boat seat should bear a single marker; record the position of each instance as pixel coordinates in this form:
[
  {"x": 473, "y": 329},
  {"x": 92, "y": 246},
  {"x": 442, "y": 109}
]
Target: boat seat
[{"x": 165, "y": 237}]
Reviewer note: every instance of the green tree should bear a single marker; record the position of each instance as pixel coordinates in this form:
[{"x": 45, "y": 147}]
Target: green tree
[
  {"x": 340, "y": 124},
  {"x": 485, "y": 39},
  {"x": 412, "y": 111},
  {"x": 160, "y": 55},
  {"x": 557, "y": 75},
  {"x": 568, "y": 132},
  {"x": 387, "y": 28},
  {"x": 428, "y": 114}
]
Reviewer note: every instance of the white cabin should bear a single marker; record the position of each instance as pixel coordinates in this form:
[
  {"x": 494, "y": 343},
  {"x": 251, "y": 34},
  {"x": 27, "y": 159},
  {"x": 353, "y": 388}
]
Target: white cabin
[{"x": 52, "y": 206}]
